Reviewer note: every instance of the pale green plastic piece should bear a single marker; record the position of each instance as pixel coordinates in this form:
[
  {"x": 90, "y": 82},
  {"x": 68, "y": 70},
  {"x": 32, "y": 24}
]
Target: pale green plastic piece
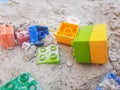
[{"x": 48, "y": 55}]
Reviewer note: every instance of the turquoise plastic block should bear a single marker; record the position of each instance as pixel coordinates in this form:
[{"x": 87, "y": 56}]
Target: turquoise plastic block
[
  {"x": 81, "y": 44},
  {"x": 22, "y": 82},
  {"x": 48, "y": 55}
]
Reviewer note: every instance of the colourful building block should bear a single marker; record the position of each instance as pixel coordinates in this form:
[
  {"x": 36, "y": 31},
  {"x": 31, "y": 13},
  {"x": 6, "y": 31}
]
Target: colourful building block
[
  {"x": 22, "y": 82},
  {"x": 48, "y": 55},
  {"x": 7, "y": 36},
  {"x": 81, "y": 44},
  {"x": 66, "y": 32},
  {"x": 43, "y": 31},
  {"x": 37, "y": 33},
  {"x": 22, "y": 36},
  {"x": 0, "y": 36},
  {"x": 98, "y": 44},
  {"x": 33, "y": 35}
]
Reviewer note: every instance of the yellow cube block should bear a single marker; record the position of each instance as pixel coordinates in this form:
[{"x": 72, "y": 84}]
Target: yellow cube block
[{"x": 98, "y": 44}]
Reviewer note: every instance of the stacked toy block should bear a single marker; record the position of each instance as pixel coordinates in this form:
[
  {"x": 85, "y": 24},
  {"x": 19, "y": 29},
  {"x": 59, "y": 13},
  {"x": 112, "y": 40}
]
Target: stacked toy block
[
  {"x": 81, "y": 44},
  {"x": 22, "y": 36},
  {"x": 98, "y": 44},
  {"x": 22, "y": 82},
  {"x": 48, "y": 55},
  {"x": 90, "y": 44},
  {"x": 6, "y": 36},
  {"x": 37, "y": 33},
  {"x": 66, "y": 33}
]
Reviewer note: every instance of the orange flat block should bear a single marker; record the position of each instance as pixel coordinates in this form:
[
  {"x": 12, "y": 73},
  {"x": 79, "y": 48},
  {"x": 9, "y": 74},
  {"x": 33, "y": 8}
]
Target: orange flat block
[
  {"x": 7, "y": 36},
  {"x": 66, "y": 32},
  {"x": 98, "y": 44}
]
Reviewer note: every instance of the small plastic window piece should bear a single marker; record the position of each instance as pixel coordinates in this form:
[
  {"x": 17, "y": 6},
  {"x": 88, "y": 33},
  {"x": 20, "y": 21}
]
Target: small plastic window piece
[
  {"x": 42, "y": 57},
  {"x": 53, "y": 48},
  {"x": 72, "y": 19},
  {"x": 42, "y": 49},
  {"x": 10, "y": 86},
  {"x": 53, "y": 56},
  {"x": 24, "y": 77}
]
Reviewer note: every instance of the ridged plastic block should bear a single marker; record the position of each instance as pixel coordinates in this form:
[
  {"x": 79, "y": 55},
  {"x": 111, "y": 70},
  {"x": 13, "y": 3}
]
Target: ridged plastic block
[
  {"x": 33, "y": 35},
  {"x": 22, "y": 82},
  {"x": 98, "y": 44},
  {"x": 81, "y": 44},
  {"x": 43, "y": 30},
  {"x": 37, "y": 33},
  {"x": 66, "y": 32},
  {"x": 0, "y": 36},
  {"x": 48, "y": 55},
  {"x": 7, "y": 36},
  {"x": 22, "y": 36}
]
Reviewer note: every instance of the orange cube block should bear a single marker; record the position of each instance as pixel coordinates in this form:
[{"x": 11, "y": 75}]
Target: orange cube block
[
  {"x": 98, "y": 44},
  {"x": 7, "y": 36},
  {"x": 0, "y": 35},
  {"x": 66, "y": 32}
]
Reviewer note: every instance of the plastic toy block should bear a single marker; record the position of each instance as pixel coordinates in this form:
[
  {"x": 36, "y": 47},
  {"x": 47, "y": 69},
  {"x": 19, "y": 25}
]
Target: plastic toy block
[
  {"x": 66, "y": 32},
  {"x": 43, "y": 31},
  {"x": 22, "y": 82},
  {"x": 48, "y": 55},
  {"x": 7, "y": 36},
  {"x": 81, "y": 44},
  {"x": 37, "y": 33},
  {"x": 33, "y": 35},
  {"x": 110, "y": 81},
  {"x": 98, "y": 44},
  {"x": 72, "y": 19},
  {"x": 0, "y": 36},
  {"x": 22, "y": 36}
]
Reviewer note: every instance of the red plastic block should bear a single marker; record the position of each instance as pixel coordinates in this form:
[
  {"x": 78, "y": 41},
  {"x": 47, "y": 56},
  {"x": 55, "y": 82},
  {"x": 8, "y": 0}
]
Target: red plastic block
[
  {"x": 22, "y": 36},
  {"x": 7, "y": 36}
]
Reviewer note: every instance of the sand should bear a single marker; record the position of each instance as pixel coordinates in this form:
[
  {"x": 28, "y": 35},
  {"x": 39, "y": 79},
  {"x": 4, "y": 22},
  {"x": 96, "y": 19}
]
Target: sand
[{"x": 69, "y": 75}]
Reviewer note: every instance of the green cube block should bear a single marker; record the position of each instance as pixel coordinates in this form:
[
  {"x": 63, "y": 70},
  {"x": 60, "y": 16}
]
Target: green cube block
[
  {"x": 81, "y": 44},
  {"x": 22, "y": 82},
  {"x": 48, "y": 55}
]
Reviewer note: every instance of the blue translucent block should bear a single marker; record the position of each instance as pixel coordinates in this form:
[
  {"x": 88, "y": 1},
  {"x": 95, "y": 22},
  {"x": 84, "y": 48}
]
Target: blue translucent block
[
  {"x": 37, "y": 33},
  {"x": 109, "y": 76},
  {"x": 4, "y": 1},
  {"x": 41, "y": 43},
  {"x": 41, "y": 34},
  {"x": 44, "y": 29},
  {"x": 33, "y": 35}
]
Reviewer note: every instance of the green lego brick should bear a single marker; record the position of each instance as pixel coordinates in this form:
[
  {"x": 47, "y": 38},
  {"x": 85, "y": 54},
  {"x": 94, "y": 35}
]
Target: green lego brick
[
  {"x": 82, "y": 54},
  {"x": 48, "y": 55},
  {"x": 81, "y": 44},
  {"x": 22, "y": 82}
]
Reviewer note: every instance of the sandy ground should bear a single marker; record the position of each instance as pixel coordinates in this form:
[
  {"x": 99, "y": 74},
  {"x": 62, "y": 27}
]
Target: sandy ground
[{"x": 22, "y": 13}]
